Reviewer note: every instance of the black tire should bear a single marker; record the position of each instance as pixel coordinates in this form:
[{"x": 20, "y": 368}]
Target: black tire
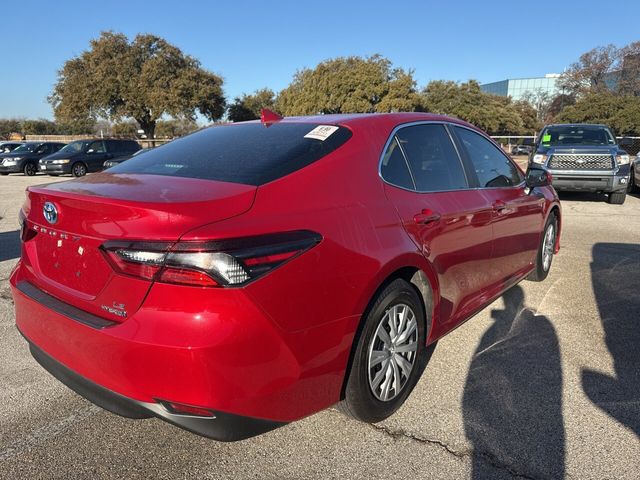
[
  {"x": 617, "y": 198},
  {"x": 541, "y": 268},
  {"x": 360, "y": 401},
  {"x": 30, "y": 169},
  {"x": 4, "y": 174},
  {"x": 632, "y": 187},
  {"x": 79, "y": 169}
]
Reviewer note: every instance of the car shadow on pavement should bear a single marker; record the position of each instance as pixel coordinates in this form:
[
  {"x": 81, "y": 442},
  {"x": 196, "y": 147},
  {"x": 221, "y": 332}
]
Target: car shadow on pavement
[
  {"x": 512, "y": 401},
  {"x": 615, "y": 275},
  {"x": 9, "y": 245}
]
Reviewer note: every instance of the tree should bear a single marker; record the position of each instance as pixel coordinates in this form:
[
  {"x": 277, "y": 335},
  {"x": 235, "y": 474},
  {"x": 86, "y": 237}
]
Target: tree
[
  {"x": 622, "y": 113},
  {"x": 248, "y": 107},
  {"x": 175, "y": 127},
  {"x": 495, "y": 114},
  {"x": 38, "y": 127},
  {"x": 558, "y": 103},
  {"x": 590, "y": 74},
  {"x": 9, "y": 126},
  {"x": 143, "y": 79},
  {"x": 629, "y": 80},
  {"x": 348, "y": 85}
]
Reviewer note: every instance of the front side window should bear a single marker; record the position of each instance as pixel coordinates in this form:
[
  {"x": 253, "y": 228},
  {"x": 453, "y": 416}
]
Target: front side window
[
  {"x": 492, "y": 167},
  {"x": 433, "y": 160}
]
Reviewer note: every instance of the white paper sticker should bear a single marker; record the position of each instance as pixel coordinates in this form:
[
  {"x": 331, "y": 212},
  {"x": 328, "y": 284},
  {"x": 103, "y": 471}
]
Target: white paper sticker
[{"x": 321, "y": 132}]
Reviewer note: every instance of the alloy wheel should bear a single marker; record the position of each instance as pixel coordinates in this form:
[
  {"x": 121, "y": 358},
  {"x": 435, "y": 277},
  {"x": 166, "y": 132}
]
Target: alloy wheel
[
  {"x": 392, "y": 352},
  {"x": 548, "y": 246}
]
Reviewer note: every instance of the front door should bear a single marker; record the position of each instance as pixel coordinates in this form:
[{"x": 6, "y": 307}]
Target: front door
[{"x": 518, "y": 215}]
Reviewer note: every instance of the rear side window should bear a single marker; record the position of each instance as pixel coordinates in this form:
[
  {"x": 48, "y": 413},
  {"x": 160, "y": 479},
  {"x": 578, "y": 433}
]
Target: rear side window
[
  {"x": 492, "y": 167},
  {"x": 251, "y": 153},
  {"x": 433, "y": 160},
  {"x": 394, "y": 167}
]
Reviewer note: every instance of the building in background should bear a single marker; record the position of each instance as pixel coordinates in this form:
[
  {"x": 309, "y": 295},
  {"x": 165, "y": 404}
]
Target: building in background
[{"x": 522, "y": 88}]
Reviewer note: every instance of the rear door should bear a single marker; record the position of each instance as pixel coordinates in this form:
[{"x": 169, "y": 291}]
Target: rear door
[
  {"x": 449, "y": 221},
  {"x": 518, "y": 214}
]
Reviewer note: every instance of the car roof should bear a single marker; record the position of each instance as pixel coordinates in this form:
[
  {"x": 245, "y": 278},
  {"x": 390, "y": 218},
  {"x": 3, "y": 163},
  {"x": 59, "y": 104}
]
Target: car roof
[{"x": 382, "y": 119}]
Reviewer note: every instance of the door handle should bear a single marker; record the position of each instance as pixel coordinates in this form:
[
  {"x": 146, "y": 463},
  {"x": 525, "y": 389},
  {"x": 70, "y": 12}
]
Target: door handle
[{"x": 426, "y": 216}]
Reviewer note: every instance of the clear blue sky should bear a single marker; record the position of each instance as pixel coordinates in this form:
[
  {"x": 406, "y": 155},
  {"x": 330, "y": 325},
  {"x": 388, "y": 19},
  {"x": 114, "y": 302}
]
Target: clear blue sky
[{"x": 255, "y": 44}]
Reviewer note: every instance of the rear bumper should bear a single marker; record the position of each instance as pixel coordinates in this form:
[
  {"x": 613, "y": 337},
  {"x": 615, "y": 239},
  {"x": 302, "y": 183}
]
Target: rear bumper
[
  {"x": 223, "y": 427},
  {"x": 592, "y": 182},
  {"x": 215, "y": 350}
]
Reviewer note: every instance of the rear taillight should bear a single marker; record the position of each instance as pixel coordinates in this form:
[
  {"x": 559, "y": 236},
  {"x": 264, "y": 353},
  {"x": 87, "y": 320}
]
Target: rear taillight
[
  {"x": 26, "y": 232},
  {"x": 225, "y": 263}
]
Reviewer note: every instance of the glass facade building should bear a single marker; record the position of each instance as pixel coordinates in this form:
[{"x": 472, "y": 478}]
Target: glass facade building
[{"x": 519, "y": 88}]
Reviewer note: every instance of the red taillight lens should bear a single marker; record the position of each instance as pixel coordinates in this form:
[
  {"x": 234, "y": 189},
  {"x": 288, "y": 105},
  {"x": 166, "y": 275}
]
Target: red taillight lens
[{"x": 230, "y": 262}]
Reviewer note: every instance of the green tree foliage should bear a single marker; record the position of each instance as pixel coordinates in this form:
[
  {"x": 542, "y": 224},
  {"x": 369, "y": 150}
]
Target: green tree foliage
[
  {"x": 143, "y": 79},
  {"x": 604, "y": 69},
  {"x": 248, "y": 107},
  {"x": 38, "y": 127},
  {"x": 9, "y": 126},
  {"x": 495, "y": 114},
  {"x": 348, "y": 85},
  {"x": 125, "y": 129},
  {"x": 175, "y": 128},
  {"x": 622, "y": 113}
]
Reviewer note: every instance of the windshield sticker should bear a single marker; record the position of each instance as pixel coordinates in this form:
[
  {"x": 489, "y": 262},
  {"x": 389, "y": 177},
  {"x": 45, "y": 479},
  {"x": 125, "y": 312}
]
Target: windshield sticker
[
  {"x": 546, "y": 138},
  {"x": 321, "y": 132}
]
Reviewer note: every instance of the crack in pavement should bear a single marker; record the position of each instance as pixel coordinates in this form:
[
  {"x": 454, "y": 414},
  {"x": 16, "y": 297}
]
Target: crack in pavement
[{"x": 467, "y": 453}]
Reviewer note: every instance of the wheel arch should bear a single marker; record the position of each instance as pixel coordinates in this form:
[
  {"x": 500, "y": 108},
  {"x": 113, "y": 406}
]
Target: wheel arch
[{"x": 417, "y": 272}]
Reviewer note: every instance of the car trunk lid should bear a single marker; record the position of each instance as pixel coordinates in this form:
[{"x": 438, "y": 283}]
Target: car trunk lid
[{"x": 64, "y": 256}]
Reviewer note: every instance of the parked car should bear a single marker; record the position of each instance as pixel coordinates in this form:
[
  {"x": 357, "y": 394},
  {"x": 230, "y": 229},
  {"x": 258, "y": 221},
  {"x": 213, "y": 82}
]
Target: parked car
[
  {"x": 25, "y": 158},
  {"x": 83, "y": 156},
  {"x": 116, "y": 161},
  {"x": 584, "y": 158},
  {"x": 243, "y": 277},
  {"x": 6, "y": 147},
  {"x": 521, "y": 150}
]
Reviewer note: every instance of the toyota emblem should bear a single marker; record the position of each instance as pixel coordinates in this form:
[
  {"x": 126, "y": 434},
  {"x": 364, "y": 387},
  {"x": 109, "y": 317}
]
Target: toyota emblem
[{"x": 50, "y": 212}]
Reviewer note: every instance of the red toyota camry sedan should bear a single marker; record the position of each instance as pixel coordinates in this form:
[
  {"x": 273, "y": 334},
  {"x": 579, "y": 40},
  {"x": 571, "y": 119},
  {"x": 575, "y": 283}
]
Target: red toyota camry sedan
[{"x": 251, "y": 274}]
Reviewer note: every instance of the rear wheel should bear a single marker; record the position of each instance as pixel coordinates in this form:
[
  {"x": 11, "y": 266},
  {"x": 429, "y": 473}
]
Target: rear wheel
[
  {"x": 390, "y": 354},
  {"x": 547, "y": 247},
  {"x": 30, "y": 169},
  {"x": 79, "y": 169},
  {"x": 617, "y": 198}
]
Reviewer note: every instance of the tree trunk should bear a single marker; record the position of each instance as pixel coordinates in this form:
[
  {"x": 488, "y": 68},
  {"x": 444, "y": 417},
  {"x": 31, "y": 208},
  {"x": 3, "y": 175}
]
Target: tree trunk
[{"x": 149, "y": 128}]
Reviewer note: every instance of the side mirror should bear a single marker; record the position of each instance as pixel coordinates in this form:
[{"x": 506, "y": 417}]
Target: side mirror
[
  {"x": 625, "y": 142},
  {"x": 538, "y": 177},
  {"x": 91, "y": 150}
]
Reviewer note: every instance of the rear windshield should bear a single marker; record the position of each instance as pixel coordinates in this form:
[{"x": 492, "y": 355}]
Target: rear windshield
[
  {"x": 248, "y": 153},
  {"x": 577, "y": 135}
]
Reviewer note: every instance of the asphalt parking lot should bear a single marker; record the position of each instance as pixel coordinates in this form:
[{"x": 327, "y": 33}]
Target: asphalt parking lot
[{"x": 543, "y": 383}]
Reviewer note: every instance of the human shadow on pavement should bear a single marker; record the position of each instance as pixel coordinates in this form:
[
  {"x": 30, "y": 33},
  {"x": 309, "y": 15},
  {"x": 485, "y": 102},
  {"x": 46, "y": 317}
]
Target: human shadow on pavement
[
  {"x": 512, "y": 401},
  {"x": 9, "y": 245},
  {"x": 615, "y": 275}
]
